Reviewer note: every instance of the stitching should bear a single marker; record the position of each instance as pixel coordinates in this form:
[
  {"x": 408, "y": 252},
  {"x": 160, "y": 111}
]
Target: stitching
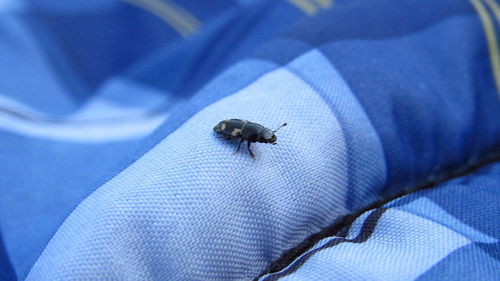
[{"x": 366, "y": 232}]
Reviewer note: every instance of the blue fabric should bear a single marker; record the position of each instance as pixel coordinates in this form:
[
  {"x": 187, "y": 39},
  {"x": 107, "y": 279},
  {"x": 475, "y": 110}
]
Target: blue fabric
[
  {"x": 110, "y": 169},
  {"x": 433, "y": 234}
]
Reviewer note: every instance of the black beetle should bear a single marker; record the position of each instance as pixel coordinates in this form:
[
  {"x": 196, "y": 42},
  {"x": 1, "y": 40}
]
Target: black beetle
[{"x": 245, "y": 131}]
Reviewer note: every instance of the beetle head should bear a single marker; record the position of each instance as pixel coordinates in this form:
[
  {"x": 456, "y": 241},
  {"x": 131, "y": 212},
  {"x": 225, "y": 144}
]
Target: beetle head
[{"x": 272, "y": 138}]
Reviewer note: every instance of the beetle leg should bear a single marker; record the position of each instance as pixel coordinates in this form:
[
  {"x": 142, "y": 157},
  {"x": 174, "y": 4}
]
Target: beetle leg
[
  {"x": 251, "y": 153},
  {"x": 239, "y": 144}
]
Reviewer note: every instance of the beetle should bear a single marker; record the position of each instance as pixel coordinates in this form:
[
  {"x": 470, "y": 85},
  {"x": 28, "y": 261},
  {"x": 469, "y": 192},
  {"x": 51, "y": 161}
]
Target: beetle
[{"x": 245, "y": 130}]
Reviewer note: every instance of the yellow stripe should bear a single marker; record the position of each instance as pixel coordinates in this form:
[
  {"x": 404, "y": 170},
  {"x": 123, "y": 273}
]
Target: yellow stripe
[
  {"x": 491, "y": 39},
  {"x": 177, "y": 17},
  {"x": 495, "y": 7},
  {"x": 325, "y": 4},
  {"x": 307, "y": 7},
  {"x": 193, "y": 21}
]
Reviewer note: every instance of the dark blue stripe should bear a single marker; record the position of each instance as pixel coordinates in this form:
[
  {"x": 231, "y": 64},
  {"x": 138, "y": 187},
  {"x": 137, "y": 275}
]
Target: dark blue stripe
[
  {"x": 6, "y": 269},
  {"x": 387, "y": 19}
]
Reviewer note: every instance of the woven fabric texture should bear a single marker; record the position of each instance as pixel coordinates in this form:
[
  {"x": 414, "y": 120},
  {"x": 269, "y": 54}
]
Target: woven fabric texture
[{"x": 110, "y": 168}]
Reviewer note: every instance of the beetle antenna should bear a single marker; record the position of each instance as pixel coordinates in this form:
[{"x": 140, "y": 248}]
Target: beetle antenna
[{"x": 284, "y": 124}]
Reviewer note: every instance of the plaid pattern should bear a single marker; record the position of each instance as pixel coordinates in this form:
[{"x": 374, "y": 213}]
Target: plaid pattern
[
  {"x": 441, "y": 233},
  {"x": 113, "y": 172}
]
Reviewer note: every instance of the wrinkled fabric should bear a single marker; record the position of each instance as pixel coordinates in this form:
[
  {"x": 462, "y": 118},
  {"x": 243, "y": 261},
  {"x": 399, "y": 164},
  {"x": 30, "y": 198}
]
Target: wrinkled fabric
[{"x": 110, "y": 169}]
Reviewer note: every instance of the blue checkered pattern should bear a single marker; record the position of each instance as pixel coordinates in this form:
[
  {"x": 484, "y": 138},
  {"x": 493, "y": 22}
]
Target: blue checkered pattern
[{"x": 110, "y": 169}]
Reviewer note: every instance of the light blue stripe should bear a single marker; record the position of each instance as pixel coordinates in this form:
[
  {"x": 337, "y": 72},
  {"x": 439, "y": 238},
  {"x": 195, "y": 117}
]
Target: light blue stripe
[
  {"x": 427, "y": 209},
  {"x": 367, "y": 167}
]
